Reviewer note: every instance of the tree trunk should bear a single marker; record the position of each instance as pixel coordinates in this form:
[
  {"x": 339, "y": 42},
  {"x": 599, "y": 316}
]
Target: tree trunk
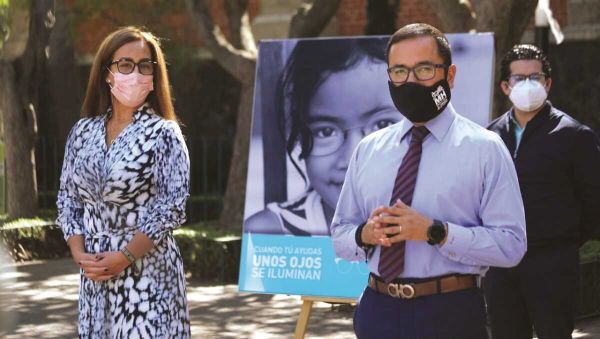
[
  {"x": 235, "y": 194},
  {"x": 19, "y": 144},
  {"x": 62, "y": 90},
  {"x": 312, "y": 17},
  {"x": 508, "y": 20},
  {"x": 381, "y": 17},
  {"x": 455, "y": 15},
  {"x": 238, "y": 57},
  {"x": 21, "y": 80}
]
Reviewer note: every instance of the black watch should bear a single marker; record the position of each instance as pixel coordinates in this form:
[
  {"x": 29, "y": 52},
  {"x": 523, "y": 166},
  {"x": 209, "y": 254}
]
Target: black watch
[
  {"x": 358, "y": 238},
  {"x": 436, "y": 232}
]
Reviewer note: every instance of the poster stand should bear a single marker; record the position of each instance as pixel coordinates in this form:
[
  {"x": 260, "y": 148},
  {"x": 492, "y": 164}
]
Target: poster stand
[{"x": 307, "y": 308}]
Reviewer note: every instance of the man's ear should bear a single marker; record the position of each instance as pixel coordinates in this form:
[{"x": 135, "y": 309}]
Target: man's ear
[
  {"x": 505, "y": 87},
  {"x": 451, "y": 75},
  {"x": 548, "y": 84}
]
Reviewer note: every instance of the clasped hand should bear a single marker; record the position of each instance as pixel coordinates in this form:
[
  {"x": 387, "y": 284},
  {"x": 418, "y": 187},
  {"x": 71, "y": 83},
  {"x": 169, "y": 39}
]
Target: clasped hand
[
  {"x": 102, "y": 266},
  {"x": 390, "y": 224}
]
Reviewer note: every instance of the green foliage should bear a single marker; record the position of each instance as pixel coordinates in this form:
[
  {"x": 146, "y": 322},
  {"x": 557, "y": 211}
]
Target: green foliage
[
  {"x": 14, "y": 21},
  {"x": 45, "y": 217},
  {"x": 589, "y": 286},
  {"x": 25, "y": 223},
  {"x": 210, "y": 254},
  {"x": 590, "y": 251},
  {"x": 208, "y": 229},
  {"x": 29, "y": 239},
  {"x": 4, "y": 23},
  {"x": 6, "y": 6}
]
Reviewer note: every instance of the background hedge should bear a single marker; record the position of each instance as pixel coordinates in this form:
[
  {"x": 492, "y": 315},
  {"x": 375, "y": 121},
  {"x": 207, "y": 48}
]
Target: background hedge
[{"x": 209, "y": 254}]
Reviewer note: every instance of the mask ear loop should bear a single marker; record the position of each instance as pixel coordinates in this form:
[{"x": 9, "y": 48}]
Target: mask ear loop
[
  {"x": 108, "y": 81},
  {"x": 110, "y": 86}
]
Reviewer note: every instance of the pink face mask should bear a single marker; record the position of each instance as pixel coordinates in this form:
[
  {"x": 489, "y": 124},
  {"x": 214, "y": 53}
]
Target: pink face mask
[{"x": 131, "y": 89}]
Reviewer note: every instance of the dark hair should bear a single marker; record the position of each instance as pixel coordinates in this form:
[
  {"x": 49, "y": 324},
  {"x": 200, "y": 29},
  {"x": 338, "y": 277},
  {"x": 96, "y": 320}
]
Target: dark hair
[
  {"x": 422, "y": 30},
  {"x": 311, "y": 62},
  {"x": 98, "y": 97},
  {"x": 523, "y": 52}
]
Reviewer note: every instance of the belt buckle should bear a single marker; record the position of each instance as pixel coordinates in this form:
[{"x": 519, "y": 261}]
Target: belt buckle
[{"x": 398, "y": 290}]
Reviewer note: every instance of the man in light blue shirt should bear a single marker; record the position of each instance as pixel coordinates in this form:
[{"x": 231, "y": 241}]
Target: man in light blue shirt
[{"x": 462, "y": 210}]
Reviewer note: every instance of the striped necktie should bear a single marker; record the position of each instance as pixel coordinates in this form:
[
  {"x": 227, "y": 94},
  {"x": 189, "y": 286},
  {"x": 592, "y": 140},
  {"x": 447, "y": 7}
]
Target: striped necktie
[{"x": 391, "y": 260}]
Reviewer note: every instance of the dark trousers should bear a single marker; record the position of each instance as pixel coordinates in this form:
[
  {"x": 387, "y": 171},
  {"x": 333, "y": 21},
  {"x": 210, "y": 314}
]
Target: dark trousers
[
  {"x": 454, "y": 315},
  {"x": 540, "y": 292}
]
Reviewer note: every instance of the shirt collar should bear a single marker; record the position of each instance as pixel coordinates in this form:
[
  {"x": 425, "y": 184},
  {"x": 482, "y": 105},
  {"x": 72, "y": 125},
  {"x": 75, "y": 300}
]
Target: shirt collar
[
  {"x": 438, "y": 126},
  {"x": 513, "y": 120},
  {"x": 511, "y": 116}
]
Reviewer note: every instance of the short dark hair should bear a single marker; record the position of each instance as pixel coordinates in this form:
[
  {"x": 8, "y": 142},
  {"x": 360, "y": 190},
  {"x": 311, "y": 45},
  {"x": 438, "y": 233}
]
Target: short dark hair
[
  {"x": 422, "y": 30},
  {"x": 523, "y": 52}
]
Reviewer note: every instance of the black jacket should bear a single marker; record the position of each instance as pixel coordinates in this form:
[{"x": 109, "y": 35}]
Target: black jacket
[{"x": 558, "y": 165}]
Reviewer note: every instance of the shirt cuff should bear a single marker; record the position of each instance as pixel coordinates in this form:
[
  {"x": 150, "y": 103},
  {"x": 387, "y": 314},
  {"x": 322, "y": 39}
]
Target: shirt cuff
[
  {"x": 457, "y": 243},
  {"x": 69, "y": 226},
  {"x": 67, "y": 233},
  {"x": 345, "y": 246}
]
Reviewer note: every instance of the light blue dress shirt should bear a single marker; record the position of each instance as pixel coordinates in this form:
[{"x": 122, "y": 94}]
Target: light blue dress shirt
[{"x": 466, "y": 178}]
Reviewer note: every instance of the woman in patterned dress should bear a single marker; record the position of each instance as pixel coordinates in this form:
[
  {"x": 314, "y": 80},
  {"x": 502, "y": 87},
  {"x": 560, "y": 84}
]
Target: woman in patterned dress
[{"x": 123, "y": 188}]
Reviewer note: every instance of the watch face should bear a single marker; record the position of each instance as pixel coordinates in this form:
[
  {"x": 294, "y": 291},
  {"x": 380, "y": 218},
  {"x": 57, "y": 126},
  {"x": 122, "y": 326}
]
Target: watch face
[{"x": 436, "y": 233}]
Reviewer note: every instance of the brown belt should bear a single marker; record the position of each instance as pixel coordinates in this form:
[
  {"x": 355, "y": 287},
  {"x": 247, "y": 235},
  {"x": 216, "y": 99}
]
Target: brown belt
[{"x": 450, "y": 283}]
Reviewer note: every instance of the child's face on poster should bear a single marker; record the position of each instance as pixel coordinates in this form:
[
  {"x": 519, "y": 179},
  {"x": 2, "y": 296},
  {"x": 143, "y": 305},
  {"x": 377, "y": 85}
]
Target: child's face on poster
[{"x": 348, "y": 105}]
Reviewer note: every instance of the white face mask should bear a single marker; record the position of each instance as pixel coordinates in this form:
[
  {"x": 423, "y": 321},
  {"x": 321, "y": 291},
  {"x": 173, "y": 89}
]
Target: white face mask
[{"x": 528, "y": 95}]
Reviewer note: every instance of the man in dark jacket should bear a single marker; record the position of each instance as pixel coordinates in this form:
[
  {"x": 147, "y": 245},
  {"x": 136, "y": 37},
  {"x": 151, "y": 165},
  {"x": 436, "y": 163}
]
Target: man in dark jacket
[{"x": 558, "y": 165}]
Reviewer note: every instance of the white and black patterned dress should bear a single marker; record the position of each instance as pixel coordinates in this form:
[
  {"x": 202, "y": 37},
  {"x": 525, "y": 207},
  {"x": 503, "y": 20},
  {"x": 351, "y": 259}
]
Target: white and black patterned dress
[{"x": 140, "y": 183}]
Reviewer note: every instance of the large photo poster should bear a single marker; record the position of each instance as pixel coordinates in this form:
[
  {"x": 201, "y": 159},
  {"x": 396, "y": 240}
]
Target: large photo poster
[{"x": 315, "y": 99}]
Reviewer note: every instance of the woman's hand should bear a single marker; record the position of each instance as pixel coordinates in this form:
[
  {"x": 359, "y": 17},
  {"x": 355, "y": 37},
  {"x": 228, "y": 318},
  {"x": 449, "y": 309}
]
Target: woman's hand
[
  {"x": 104, "y": 265},
  {"x": 79, "y": 256},
  {"x": 78, "y": 250}
]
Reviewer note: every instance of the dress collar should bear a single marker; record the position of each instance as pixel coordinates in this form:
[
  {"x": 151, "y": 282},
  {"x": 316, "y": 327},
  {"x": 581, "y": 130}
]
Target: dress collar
[{"x": 137, "y": 115}]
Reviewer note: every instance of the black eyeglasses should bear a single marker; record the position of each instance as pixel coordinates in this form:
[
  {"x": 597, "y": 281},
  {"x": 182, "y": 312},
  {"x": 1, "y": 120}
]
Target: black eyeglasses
[
  {"x": 424, "y": 71},
  {"x": 514, "y": 79},
  {"x": 127, "y": 65}
]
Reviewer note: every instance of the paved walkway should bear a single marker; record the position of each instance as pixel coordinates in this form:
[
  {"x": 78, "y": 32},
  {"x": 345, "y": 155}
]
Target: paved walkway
[{"x": 39, "y": 300}]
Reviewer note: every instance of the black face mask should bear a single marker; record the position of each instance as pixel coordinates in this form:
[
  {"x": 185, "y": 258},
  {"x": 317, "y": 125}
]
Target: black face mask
[{"x": 420, "y": 103}]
